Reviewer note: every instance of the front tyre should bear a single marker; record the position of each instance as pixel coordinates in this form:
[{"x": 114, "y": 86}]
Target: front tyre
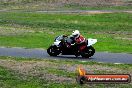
[
  {"x": 88, "y": 52},
  {"x": 53, "y": 51}
]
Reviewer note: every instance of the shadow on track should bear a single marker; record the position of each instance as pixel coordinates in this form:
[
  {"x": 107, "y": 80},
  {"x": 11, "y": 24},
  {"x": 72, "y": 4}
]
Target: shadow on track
[{"x": 71, "y": 57}]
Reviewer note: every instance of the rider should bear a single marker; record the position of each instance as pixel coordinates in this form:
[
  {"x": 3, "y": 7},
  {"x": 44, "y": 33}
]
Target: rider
[
  {"x": 76, "y": 38},
  {"x": 79, "y": 40}
]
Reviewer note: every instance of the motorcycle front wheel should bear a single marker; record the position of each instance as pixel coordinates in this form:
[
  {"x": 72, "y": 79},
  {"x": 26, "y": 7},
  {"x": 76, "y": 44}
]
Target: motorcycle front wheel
[
  {"x": 53, "y": 51},
  {"x": 88, "y": 52}
]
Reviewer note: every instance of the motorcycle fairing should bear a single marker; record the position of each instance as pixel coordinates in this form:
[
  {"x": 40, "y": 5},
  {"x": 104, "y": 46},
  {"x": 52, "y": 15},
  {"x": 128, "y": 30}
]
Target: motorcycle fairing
[
  {"x": 91, "y": 42},
  {"x": 68, "y": 51},
  {"x": 57, "y": 43}
]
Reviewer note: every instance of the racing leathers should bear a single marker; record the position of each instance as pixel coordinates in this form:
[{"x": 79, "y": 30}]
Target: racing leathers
[{"x": 80, "y": 44}]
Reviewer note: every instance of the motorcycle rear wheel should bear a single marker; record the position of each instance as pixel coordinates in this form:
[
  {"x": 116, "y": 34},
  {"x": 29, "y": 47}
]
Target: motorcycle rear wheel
[{"x": 88, "y": 52}]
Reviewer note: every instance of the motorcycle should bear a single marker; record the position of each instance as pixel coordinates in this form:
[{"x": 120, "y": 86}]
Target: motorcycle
[{"x": 66, "y": 46}]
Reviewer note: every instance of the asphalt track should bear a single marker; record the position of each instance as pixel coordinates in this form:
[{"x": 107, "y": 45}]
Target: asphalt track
[{"x": 105, "y": 57}]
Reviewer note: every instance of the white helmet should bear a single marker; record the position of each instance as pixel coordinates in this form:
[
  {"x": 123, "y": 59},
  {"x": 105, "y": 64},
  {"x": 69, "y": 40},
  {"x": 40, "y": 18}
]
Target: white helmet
[{"x": 76, "y": 33}]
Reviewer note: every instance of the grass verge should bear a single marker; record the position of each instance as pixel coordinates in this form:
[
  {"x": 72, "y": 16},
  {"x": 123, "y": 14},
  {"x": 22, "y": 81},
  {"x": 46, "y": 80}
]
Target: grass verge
[{"x": 54, "y": 73}]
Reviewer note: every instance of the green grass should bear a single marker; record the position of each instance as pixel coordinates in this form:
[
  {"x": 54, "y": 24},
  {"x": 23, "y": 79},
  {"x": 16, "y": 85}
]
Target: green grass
[
  {"x": 10, "y": 79},
  {"x": 65, "y": 21},
  {"x": 98, "y": 22},
  {"x": 12, "y": 75},
  {"x": 27, "y": 41},
  {"x": 38, "y": 30}
]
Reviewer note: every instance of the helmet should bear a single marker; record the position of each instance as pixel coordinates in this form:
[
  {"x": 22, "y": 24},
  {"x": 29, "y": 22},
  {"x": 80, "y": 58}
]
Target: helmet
[{"x": 76, "y": 34}]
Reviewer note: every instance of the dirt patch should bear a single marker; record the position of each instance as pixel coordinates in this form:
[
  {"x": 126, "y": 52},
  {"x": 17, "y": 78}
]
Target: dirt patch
[
  {"x": 113, "y": 33},
  {"x": 12, "y": 31},
  {"x": 38, "y": 69},
  {"x": 62, "y": 2},
  {"x": 32, "y": 68},
  {"x": 123, "y": 38},
  {"x": 24, "y": 67},
  {"x": 96, "y": 12}
]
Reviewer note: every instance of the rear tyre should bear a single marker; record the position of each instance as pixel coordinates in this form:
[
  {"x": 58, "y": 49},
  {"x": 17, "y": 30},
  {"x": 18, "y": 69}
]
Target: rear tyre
[
  {"x": 53, "y": 51},
  {"x": 88, "y": 52}
]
